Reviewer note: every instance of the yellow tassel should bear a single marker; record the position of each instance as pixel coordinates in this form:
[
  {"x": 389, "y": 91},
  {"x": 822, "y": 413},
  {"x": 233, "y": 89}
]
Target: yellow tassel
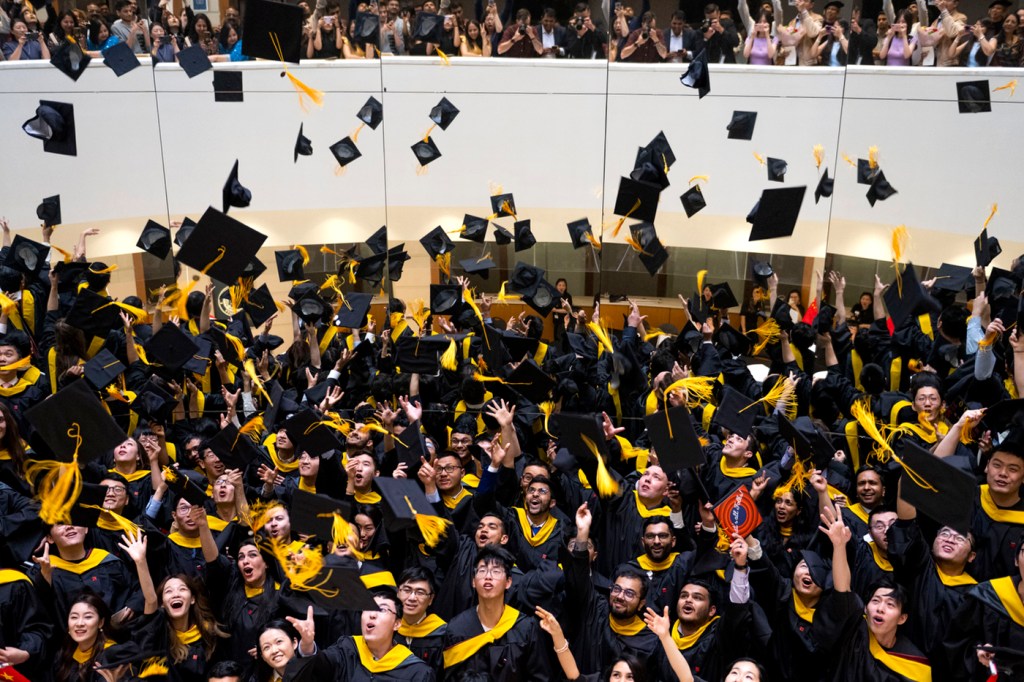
[
  {"x": 305, "y": 254},
  {"x": 426, "y": 138},
  {"x": 819, "y": 155},
  {"x": 850, "y": 161},
  {"x": 772, "y": 399},
  {"x": 700, "y": 281},
  {"x": 760, "y": 159},
  {"x": 618, "y": 225},
  {"x": 300, "y": 568},
  {"x": 444, "y": 263},
  {"x": 448, "y": 360},
  {"x": 698, "y": 177},
  {"x": 768, "y": 332},
  {"x": 723, "y": 543},
  {"x": 114, "y": 392},
  {"x": 989, "y": 339},
  {"x": 250, "y": 369},
  {"x": 797, "y": 482},
  {"x": 396, "y": 319},
  {"x": 154, "y": 667},
  {"x": 477, "y": 376},
  {"x": 105, "y": 271},
  {"x": 861, "y": 411},
  {"x": 432, "y": 528},
  {"x": 236, "y": 344},
  {"x": 342, "y": 533},
  {"x": 419, "y": 312},
  {"x": 547, "y": 408},
  {"x": 593, "y": 240},
  {"x": 253, "y": 428},
  {"x": 966, "y": 433},
  {"x": 57, "y": 486},
  {"x": 315, "y": 95},
  {"x": 352, "y": 265},
  {"x": 443, "y": 56},
  {"x": 699, "y": 389},
  {"x": 1009, "y": 85},
  {"x": 635, "y": 245},
  {"x": 602, "y": 336},
  {"x": 995, "y": 208},
  {"x": 62, "y": 252},
  {"x": 467, "y": 296},
  {"x": 328, "y": 250},
  {"x": 873, "y": 157},
  {"x": 503, "y": 297},
  {"x": 355, "y": 135},
  {"x": 124, "y": 524},
  {"x": 900, "y": 237},
  {"x": 606, "y": 485}
]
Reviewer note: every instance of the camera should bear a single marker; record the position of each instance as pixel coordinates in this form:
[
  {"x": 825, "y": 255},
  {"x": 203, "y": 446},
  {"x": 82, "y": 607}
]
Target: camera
[
  {"x": 645, "y": 34},
  {"x": 579, "y": 24},
  {"x": 705, "y": 25},
  {"x": 522, "y": 29},
  {"x": 32, "y": 36}
]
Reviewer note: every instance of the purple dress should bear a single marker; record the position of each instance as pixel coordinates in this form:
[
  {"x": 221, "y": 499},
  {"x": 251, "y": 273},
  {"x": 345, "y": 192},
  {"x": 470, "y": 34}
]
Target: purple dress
[
  {"x": 759, "y": 52},
  {"x": 897, "y": 46}
]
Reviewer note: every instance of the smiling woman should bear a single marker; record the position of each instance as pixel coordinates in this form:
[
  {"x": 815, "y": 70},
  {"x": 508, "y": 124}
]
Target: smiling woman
[{"x": 278, "y": 643}]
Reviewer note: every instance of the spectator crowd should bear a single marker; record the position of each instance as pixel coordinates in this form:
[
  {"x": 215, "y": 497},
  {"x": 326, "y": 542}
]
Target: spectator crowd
[{"x": 761, "y": 33}]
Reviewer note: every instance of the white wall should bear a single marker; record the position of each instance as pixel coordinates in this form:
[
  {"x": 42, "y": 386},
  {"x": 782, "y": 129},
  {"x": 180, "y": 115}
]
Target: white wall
[{"x": 558, "y": 134}]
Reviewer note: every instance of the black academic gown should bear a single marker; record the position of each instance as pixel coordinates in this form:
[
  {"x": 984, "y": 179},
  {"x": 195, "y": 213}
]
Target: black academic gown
[
  {"x": 726, "y": 638},
  {"x": 341, "y": 662},
  {"x": 518, "y": 655},
  {"x": 426, "y": 641},
  {"x": 868, "y": 566},
  {"x": 99, "y": 572},
  {"x": 152, "y": 633},
  {"x": 666, "y": 578},
  {"x": 996, "y": 540},
  {"x": 621, "y": 527},
  {"x": 24, "y": 623},
  {"x": 840, "y": 623},
  {"x": 984, "y": 618}
]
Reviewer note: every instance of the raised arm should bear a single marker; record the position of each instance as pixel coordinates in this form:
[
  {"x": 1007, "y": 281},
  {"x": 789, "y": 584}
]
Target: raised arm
[
  {"x": 878, "y": 305},
  {"x": 832, "y": 525},
  {"x": 550, "y": 625},
  {"x": 135, "y": 547}
]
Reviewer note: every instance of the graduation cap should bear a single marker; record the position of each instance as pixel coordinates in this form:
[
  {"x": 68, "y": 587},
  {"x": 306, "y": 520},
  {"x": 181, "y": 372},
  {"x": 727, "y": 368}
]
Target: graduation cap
[
  {"x": 26, "y": 255},
  {"x": 938, "y": 490},
  {"x": 194, "y": 61},
  {"x": 518, "y": 346},
  {"x": 650, "y": 171},
  {"x": 54, "y": 124},
  {"x": 234, "y": 193},
  {"x": 341, "y": 589},
  {"x": 93, "y": 314},
  {"x": 421, "y": 355},
  {"x": 636, "y": 199},
  {"x": 314, "y": 514},
  {"x": 735, "y": 412},
  {"x": 1004, "y": 415},
  {"x": 502, "y": 236},
  {"x": 823, "y": 320},
  {"x": 777, "y": 169},
  {"x": 722, "y": 296},
  {"x": 272, "y": 26},
  {"x": 74, "y": 420},
  {"x": 185, "y": 488},
  {"x": 986, "y": 249},
  {"x": 426, "y": 151},
  {"x": 737, "y": 513},
  {"x": 70, "y": 59},
  {"x": 187, "y": 225},
  {"x": 674, "y": 439},
  {"x": 781, "y": 314},
  {"x": 880, "y": 189},
  {"x": 661, "y": 150},
  {"x": 741, "y": 127},
  {"x": 397, "y": 256},
  {"x": 221, "y": 246},
  {"x": 227, "y": 86},
  {"x": 289, "y": 265},
  {"x": 583, "y": 436},
  {"x": 913, "y": 301},
  {"x": 1002, "y": 285},
  {"x": 443, "y": 113},
  {"x": 478, "y": 266},
  {"x": 865, "y": 172},
  {"x": 428, "y": 27},
  {"x": 972, "y": 97},
  {"x": 154, "y": 402},
  {"x": 499, "y": 208},
  {"x": 235, "y": 450},
  {"x": 525, "y": 278},
  {"x": 762, "y": 271},
  {"x": 530, "y": 381},
  {"x": 155, "y": 239},
  {"x": 260, "y": 305},
  {"x": 697, "y": 75},
  {"x": 475, "y": 228},
  {"x": 103, "y": 369},
  {"x": 311, "y": 308},
  {"x": 693, "y": 201},
  {"x": 120, "y": 58},
  {"x": 352, "y": 313},
  {"x": 543, "y": 298},
  {"x": 437, "y": 243},
  {"x": 367, "y": 28},
  {"x": 776, "y": 213},
  {"x": 732, "y": 340},
  {"x": 345, "y": 151},
  {"x": 89, "y": 505},
  {"x": 953, "y": 278},
  {"x": 445, "y": 298},
  {"x": 825, "y": 187},
  {"x": 303, "y": 145},
  {"x": 523, "y": 235},
  {"x": 371, "y": 113},
  {"x": 578, "y": 231},
  {"x": 171, "y": 347},
  {"x": 807, "y": 443},
  {"x": 49, "y": 211},
  {"x": 378, "y": 241}
]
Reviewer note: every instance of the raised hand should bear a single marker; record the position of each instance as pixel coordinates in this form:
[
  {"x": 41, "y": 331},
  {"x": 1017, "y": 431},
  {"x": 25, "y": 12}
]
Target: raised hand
[
  {"x": 659, "y": 624},
  {"x": 134, "y": 546}
]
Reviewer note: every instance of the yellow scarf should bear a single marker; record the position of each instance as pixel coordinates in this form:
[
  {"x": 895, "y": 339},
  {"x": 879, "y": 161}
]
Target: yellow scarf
[
  {"x": 425, "y": 627},
  {"x": 1007, "y": 593},
  {"x": 995, "y": 513},
  {"x": 633, "y": 627},
  {"x": 137, "y": 475},
  {"x": 859, "y": 511},
  {"x": 647, "y": 513},
  {"x": 182, "y": 541},
  {"x": 457, "y": 653},
  {"x": 453, "y": 501},
  {"x": 542, "y": 535},
  {"x": 684, "y": 642},
  {"x": 9, "y": 575},
  {"x": 391, "y": 660},
  {"x": 786, "y": 531},
  {"x": 471, "y": 481},
  {"x": 283, "y": 467},
  {"x": 91, "y": 561},
  {"x": 648, "y": 565},
  {"x": 82, "y": 657},
  {"x": 371, "y": 580},
  {"x": 955, "y": 580},
  {"x": 189, "y": 636},
  {"x": 367, "y": 498},
  {"x": 20, "y": 386},
  {"x": 803, "y": 611},
  {"x": 305, "y": 486},
  {"x": 735, "y": 472},
  {"x": 880, "y": 560},
  {"x": 912, "y": 670}
]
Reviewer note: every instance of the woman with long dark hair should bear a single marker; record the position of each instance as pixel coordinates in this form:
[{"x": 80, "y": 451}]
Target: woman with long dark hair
[
  {"x": 87, "y": 637},
  {"x": 12, "y": 452},
  {"x": 787, "y": 530}
]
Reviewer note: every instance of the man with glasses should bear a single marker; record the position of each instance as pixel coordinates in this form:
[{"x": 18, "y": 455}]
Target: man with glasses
[
  {"x": 422, "y": 632},
  {"x": 609, "y": 627},
  {"x": 871, "y": 559},
  {"x": 494, "y": 641},
  {"x": 371, "y": 655},
  {"x": 666, "y": 570},
  {"x": 444, "y": 474}
]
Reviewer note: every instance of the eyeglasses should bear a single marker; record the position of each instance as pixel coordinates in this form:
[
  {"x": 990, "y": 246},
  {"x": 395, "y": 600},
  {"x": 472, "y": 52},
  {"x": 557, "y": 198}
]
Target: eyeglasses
[
  {"x": 541, "y": 491},
  {"x": 490, "y": 571},
  {"x": 449, "y": 469},
  {"x": 116, "y": 488},
  {"x": 625, "y": 592},
  {"x": 953, "y": 536},
  {"x": 881, "y": 525},
  {"x": 657, "y": 536},
  {"x": 418, "y": 592},
  {"x": 384, "y": 609}
]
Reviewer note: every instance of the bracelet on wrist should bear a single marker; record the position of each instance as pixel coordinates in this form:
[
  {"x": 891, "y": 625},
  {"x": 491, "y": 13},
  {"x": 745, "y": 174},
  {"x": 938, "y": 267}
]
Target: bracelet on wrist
[{"x": 562, "y": 649}]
